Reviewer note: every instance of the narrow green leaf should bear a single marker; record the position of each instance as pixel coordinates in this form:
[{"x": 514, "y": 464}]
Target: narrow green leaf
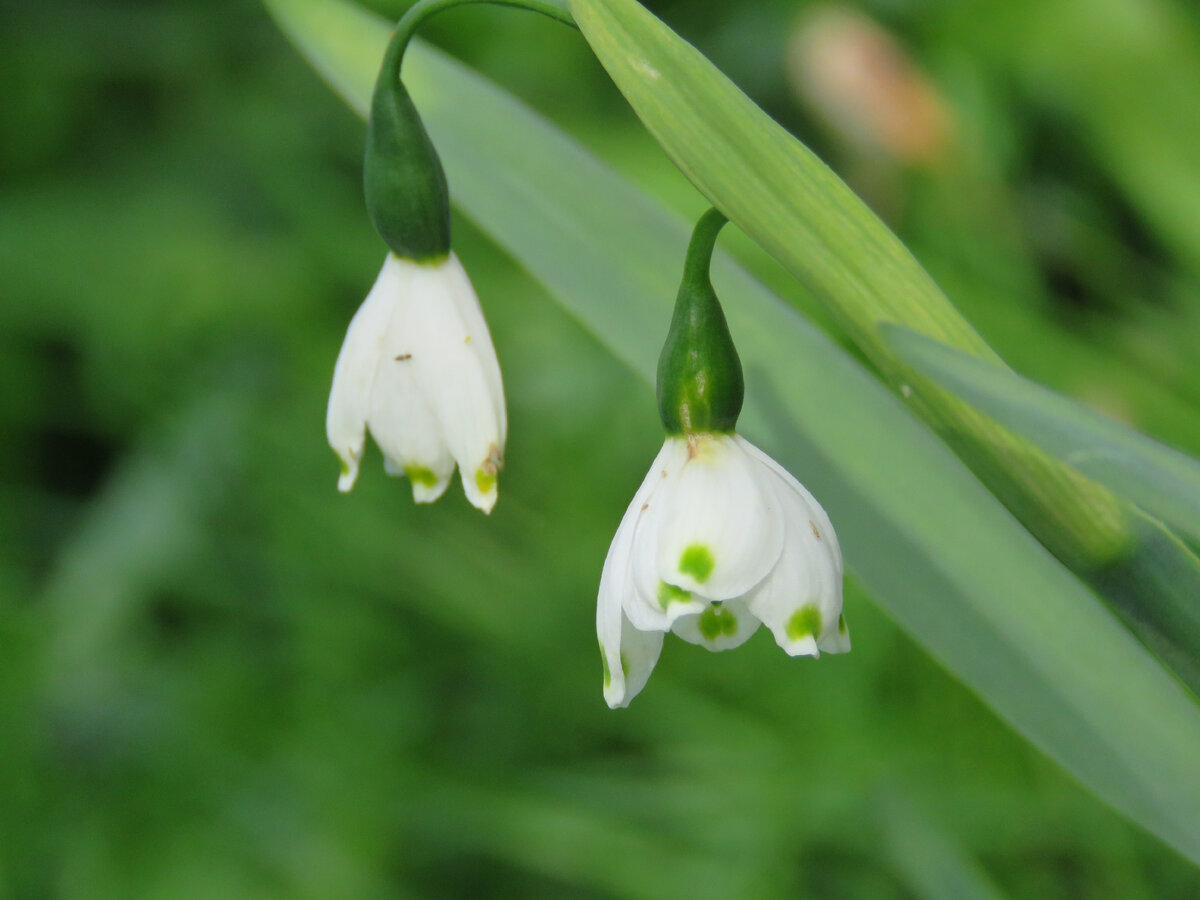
[
  {"x": 1158, "y": 478},
  {"x": 1156, "y": 588},
  {"x": 929, "y": 861},
  {"x": 783, "y": 196},
  {"x": 918, "y": 530}
]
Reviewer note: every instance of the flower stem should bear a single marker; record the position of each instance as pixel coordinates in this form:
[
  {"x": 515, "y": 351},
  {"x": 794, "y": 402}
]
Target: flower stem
[
  {"x": 701, "y": 246},
  {"x": 422, "y": 9},
  {"x": 403, "y": 180}
]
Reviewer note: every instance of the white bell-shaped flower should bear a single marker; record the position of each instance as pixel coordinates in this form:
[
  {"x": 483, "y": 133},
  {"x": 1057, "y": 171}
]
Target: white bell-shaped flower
[
  {"x": 418, "y": 370},
  {"x": 718, "y": 539}
]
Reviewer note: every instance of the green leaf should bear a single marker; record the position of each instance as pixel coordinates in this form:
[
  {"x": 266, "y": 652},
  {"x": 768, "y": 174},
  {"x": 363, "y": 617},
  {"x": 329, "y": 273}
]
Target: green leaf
[
  {"x": 783, "y": 196},
  {"x": 930, "y": 862},
  {"x": 1158, "y": 478},
  {"x": 917, "y": 529},
  {"x": 1156, "y": 589}
]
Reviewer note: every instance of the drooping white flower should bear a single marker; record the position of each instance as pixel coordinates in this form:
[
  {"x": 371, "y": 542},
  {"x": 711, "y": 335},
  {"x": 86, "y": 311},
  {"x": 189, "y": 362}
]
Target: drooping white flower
[
  {"x": 718, "y": 539},
  {"x": 418, "y": 370}
]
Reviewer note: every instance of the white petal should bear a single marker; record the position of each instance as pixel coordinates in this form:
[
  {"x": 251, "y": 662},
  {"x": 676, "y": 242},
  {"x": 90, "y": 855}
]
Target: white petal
[
  {"x": 722, "y": 626},
  {"x": 629, "y": 655},
  {"x": 836, "y": 640},
  {"x": 400, "y": 418},
  {"x": 653, "y": 604},
  {"x": 720, "y": 533},
  {"x": 354, "y": 373},
  {"x": 454, "y": 365},
  {"x": 818, "y": 515},
  {"x": 639, "y": 654},
  {"x": 467, "y": 303},
  {"x": 801, "y": 600}
]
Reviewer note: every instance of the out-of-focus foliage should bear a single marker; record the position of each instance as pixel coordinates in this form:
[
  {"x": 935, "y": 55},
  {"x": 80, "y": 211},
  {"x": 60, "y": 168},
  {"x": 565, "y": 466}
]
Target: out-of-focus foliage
[
  {"x": 220, "y": 679},
  {"x": 911, "y": 518}
]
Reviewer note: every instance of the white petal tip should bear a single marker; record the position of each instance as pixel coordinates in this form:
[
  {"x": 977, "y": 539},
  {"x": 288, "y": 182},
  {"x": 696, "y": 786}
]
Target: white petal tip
[
  {"x": 348, "y": 477},
  {"x": 480, "y": 486},
  {"x": 615, "y": 700},
  {"x": 615, "y": 694},
  {"x": 485, "y": 503},
  {"x": 721, "y": 626},
  {"x": 837, "y": 641},
  {"x": 426, "y": 494},
  {"x": 427, "y": 485},
  {"x": 805, "y": 646}
]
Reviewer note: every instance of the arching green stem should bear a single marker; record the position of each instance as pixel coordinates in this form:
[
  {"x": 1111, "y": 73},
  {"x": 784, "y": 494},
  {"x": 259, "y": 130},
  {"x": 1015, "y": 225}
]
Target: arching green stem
[
  {"x": 423, "y": 9},
  {"x": 405, "y": 186}
]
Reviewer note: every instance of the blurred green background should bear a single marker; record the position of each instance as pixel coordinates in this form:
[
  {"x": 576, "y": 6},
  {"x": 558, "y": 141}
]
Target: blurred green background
[{"x": 221, "y": 679}]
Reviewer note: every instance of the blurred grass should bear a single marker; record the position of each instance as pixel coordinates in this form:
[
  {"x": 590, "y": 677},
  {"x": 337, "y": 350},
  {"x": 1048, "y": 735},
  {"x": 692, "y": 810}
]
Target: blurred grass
[{"x": 296, "y": 694}]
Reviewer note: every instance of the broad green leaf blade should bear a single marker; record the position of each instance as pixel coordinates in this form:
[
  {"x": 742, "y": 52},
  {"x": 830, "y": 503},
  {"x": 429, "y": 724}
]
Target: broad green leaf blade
[
  {"x": 919, "y": 531},
  {"x": 1158, "y": 478},
  {"x": 783, "y": 196}
]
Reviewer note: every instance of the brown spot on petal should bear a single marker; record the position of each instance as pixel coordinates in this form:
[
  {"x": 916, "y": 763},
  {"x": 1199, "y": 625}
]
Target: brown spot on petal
[
  {"x": 664, "y": 473},
  {"x": 403, "y": 356},
  {"x": 645, "y": 506},
  {"x": 494, "y": 461},
  {"x": 816, "y": 533}
]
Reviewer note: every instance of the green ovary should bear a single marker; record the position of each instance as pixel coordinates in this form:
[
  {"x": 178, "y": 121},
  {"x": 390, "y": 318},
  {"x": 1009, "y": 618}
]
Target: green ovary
[{"x": 697, "y": 561}]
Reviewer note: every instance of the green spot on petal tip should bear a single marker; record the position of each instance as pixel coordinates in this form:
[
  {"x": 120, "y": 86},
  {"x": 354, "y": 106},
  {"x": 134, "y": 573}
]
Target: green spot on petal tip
[
  {"x": 805, "y": 622},
  {"x": 485, "y": 481},
  {"x": 716, "y": 621},
  {"x": 668, "y": 594},
  {"x": 697, "y": 561},
  {"x": 604, "y": 666},
  {"x": 421, "y": 475}
]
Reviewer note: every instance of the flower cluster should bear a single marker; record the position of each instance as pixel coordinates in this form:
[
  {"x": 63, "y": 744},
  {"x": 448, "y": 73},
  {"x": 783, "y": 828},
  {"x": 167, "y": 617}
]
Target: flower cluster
[{"x": 718, "y": 539}]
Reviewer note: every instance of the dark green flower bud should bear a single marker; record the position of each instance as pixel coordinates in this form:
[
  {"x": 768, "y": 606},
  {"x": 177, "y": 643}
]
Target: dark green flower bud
[
  {"x": 700, "y": 386},
  {"x": 403, "y": 179}
]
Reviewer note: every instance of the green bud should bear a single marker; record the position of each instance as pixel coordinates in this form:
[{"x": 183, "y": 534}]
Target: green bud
[
  {"x": 700, "y": 384},
  {"x": 403, "y": 179}
]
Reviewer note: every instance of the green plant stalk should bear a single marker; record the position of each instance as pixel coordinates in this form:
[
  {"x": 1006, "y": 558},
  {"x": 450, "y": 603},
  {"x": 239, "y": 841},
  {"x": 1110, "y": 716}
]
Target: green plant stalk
[
  {"x": 407, "y": 27},
  {"x": 403, "y": 179},
  {"x": 775, "y": 189}
]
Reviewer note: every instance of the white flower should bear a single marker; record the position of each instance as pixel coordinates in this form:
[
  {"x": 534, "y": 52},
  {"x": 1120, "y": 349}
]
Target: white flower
[
  {"x": 718, "y": 538},
  {"x": 418, "y": 369}
]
